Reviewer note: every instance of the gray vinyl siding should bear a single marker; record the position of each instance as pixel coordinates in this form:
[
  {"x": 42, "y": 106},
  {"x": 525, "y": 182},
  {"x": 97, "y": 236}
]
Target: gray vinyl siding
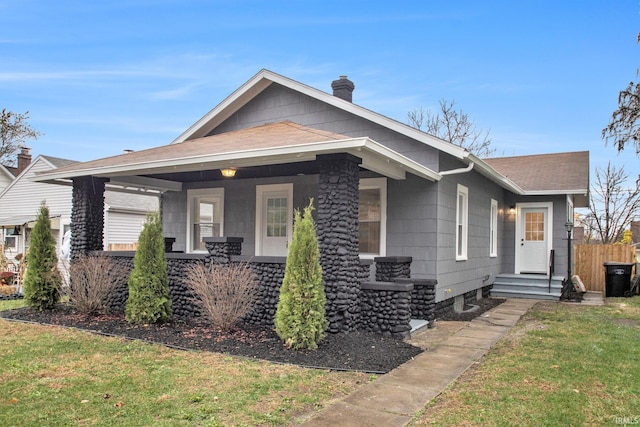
[
  {"x": 239, "y": 207},
  {"x": 411, "y": 223},
  {"x": 457, "y": 277},
  {"x": 277, "y": 103}
]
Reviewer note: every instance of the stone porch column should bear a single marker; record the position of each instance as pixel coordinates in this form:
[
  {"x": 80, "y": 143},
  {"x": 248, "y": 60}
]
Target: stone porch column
[
  {"x": 337, "y": 227},
  {"x": 87, "y": 215}
]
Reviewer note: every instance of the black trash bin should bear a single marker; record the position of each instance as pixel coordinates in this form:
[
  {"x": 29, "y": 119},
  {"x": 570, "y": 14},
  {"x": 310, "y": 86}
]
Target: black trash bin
[{"x": 618, "y": 278}]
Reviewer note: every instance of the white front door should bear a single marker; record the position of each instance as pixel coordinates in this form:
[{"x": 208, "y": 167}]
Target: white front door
[
  {"x": 274, "y": 218},
  {"x": 533, "y": 237}
]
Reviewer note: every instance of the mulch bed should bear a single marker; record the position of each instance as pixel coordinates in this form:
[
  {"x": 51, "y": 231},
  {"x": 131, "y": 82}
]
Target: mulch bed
[{"x": 353, "y": 351}]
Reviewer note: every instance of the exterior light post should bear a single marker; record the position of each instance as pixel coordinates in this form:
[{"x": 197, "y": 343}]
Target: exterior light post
[{"x": 567, "y": 288}]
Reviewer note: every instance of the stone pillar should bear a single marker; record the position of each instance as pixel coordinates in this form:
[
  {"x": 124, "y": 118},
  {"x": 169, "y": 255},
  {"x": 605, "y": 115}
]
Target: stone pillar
[
  {"x": 87, "y": 215},
  {"x": 337, "y": 227},
  {"x": 221, "y": 249}
]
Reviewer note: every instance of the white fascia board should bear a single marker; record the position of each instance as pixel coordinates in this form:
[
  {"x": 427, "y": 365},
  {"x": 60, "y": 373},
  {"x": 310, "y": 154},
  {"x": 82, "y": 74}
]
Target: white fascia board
[
  {"x": 494, "y": 175},
  {"x": 555, "y": 192},
  {"x": 260, "y": 157},
  {"x": 226, "y": 108}
]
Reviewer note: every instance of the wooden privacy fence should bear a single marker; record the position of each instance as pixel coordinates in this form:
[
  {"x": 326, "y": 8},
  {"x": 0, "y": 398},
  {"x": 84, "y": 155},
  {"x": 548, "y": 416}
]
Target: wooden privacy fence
[{"x": 590, "y": 259}]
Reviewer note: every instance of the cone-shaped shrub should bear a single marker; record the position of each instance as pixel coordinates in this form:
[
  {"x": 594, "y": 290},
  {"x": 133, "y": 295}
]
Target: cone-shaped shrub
[
  {"x": 300, "y": 318},
  {"x": 149, "y": 300},
  {"x": 42, "y": 280}
]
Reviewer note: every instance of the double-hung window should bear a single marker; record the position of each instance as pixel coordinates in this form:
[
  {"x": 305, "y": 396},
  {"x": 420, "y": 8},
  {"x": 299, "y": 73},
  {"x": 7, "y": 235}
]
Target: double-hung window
[
  {"x": 372, "y": 214},
  {"x": 205, "y": 213},
  {"x": 462, "y": 222},
  {"x": 493, "y": 229}
]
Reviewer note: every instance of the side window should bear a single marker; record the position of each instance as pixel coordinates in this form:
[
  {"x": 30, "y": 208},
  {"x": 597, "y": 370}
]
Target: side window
[
  {"x": 372, "y": 214},
  {"x": 493, "y": 229},
  {"x": 10, "y": 242},
  {"x": 462, "y": 222},
  {"x": 205, "y": 212}
]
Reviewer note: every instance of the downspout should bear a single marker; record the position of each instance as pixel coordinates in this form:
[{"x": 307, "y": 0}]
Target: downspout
[{"x": 457, "y": 171}]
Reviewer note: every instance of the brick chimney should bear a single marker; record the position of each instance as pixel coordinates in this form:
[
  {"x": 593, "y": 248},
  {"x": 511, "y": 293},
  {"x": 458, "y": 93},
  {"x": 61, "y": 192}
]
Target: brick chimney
[
  {"x": 24, "y": 160},
  {"x": 343, "y": 88}
]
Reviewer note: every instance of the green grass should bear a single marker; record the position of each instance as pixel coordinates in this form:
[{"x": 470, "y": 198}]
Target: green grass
[
  {"x": 562, "y": 365},
  {"x": 59, "y": 377}
]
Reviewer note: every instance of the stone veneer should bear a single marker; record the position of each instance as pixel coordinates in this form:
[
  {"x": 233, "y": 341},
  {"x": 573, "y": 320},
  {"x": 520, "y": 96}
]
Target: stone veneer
[
  {"x": 87, "y": 215},
  {"x": 337, "y": 228}
]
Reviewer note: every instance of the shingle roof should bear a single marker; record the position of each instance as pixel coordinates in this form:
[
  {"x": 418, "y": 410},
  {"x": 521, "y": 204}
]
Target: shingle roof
[
  {"x": 551, "y": 173},
  {"x": 58, "y": 162},
  {"x": 280, "y": 134}
]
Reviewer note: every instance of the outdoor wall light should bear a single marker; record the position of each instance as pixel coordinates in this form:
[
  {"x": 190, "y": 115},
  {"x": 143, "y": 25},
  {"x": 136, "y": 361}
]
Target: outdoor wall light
[
  {"x": 512, "y": 210},
  {"x": 228, "y": 172}
]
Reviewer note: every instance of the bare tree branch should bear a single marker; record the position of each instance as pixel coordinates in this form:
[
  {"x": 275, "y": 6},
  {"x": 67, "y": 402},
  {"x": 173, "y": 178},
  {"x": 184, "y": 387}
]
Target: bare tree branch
[
  {"x": 612, "y": 205},
  {"x": 14, "y": 132},
  {"x": 453, "y": 126}
]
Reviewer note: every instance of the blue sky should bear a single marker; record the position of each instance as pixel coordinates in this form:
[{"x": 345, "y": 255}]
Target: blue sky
[{"x": 101, "y": 77}]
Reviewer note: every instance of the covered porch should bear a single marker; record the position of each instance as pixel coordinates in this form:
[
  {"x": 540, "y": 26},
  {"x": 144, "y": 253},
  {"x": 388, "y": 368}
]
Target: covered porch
[{"x": 211, "y": 215}]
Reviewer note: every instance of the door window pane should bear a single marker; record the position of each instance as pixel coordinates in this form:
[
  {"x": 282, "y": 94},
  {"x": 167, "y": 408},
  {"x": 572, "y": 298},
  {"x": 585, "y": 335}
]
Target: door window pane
[
  {"x": 206, "y": 219},
  {"x": 534, "y": 226},
  {"x": 277, "y": 217}
]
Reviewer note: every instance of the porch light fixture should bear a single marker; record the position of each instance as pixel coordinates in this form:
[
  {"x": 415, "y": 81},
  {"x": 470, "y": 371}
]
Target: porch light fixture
[
  {"x": 512, "y": 209},
  {"x": 228, "y": 172}
]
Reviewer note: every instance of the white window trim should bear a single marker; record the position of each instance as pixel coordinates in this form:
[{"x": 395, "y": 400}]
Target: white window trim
[
  {"x": 381, "y": 184},
  {"x": 493, "y": 229},
  {"x": 462, "y": 190},
  {"x": 191, "y": 195},
  {"x": 260, "y": 190}
]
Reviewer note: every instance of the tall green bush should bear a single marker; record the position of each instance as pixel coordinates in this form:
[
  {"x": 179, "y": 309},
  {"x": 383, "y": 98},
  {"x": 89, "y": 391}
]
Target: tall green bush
[
  {"x": 300, "y": 317},
  {"x": 149, "y": 300},
  {"x": 42, "y": 281}
]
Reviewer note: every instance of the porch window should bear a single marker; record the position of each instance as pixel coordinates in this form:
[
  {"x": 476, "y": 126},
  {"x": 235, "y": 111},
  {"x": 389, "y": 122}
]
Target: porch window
[
  {"x": 493, "y": 229},
  {"x": 10, "y": 242},
  {"x": 372, "y": 212},
  {"x": 462, "y": 222},
  {"x": 206, "y": 216}
]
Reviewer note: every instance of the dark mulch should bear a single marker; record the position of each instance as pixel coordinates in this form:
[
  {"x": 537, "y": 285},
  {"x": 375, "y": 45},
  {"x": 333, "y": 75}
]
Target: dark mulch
[
  {"x": 357, "y": 351},
  {"x": 354, "y": 351}
]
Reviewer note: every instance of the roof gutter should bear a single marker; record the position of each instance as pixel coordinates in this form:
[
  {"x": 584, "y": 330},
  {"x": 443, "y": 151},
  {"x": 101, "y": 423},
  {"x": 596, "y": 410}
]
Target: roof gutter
[{"x": 458, "y": 171}]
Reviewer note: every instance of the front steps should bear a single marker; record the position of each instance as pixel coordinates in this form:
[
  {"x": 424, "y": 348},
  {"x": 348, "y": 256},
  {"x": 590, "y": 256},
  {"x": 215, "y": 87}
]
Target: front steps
[{"x": 533, "y": 286}]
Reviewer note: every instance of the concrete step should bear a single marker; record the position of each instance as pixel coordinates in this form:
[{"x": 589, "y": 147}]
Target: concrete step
[
  {"x": 554, "y": 296},
  {"x": 527, "y": 286}
]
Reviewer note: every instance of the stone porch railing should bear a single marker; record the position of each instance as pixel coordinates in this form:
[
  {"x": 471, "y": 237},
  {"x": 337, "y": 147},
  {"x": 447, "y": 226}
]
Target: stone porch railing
[{"x": 384, "y": 306}]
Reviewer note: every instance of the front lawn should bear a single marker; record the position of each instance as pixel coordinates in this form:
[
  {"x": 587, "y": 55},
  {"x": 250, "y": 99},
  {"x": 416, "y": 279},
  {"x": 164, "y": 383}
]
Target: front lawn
[
  {"x": 562, "y": 365},
  {"x": 57, "y": 376}
]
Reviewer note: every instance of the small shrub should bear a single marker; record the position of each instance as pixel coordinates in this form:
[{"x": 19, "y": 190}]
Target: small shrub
[
  {"x": 300, "y": 318},
  {"x": 224, "y": 293},
  {"x": 42, "y": 280},
  {"x": 149, "y": 300},
  {"x": 91, "y": 281}
]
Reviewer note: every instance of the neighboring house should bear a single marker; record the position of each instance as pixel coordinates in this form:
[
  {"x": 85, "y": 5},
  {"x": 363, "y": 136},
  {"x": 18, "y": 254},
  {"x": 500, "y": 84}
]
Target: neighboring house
[
  {"x": 19, "y": 204},
  {"x": 382, "y": 190},
  {"x": 6, "y": 178}
]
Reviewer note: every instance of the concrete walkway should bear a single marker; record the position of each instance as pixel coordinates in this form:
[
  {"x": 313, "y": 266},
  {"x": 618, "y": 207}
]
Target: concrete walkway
[{"x": 394, "y": 398}]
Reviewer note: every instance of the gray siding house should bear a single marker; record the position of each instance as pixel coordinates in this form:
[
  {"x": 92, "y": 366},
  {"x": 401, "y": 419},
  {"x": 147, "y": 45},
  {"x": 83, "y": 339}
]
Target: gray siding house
[{"x": 385, "y": 194}]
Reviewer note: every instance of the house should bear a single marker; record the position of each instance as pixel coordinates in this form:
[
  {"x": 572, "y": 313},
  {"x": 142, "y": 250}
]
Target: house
[
  {"x": 427, "y": 213},
  {"x": 19, "y": 204},
  {"x": 6, "y": 177}
]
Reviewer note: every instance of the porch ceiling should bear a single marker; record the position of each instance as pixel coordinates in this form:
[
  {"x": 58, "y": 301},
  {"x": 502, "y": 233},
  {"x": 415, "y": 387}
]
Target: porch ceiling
[{"x": 272, "y": 144}]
